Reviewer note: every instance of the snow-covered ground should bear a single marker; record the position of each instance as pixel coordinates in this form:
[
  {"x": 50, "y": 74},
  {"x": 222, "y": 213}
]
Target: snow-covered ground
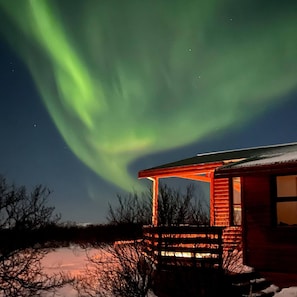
[
  {"x": 73, "y": 260},
  {"x": 287, "y": 292},
  {"x": 67, "y": 259},
  {"x": 70, "y": 260}
]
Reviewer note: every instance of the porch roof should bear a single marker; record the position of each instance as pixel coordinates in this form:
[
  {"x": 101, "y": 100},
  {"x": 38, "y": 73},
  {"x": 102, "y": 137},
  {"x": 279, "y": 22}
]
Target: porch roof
[{"x": 235, "y": 160}]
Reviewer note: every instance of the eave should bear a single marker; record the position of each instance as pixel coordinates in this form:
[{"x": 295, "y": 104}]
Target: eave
[
  {"x": 267, "y": 169},
  {"x": 188, "y": 172}
]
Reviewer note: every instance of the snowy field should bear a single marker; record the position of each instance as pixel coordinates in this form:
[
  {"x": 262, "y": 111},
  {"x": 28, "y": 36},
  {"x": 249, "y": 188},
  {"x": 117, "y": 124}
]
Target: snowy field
[
  {"x": 73, "y": 260},
  {"x": 70, "y": 260}
]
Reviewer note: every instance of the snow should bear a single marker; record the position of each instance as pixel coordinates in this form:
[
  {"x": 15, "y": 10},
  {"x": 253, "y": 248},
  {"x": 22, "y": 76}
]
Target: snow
[
  {"x": 72, "y": 260},
  {"x": 287, "y": 292},
  {"x": 271, "y": 289},
  {"x": 268, "y": 160},
  {"x": 67, "y": 259}
]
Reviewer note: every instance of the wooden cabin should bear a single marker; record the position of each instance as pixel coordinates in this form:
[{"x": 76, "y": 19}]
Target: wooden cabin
[
  {"x": 269, "y": 211},
  {"x": 253, "y": 199}
]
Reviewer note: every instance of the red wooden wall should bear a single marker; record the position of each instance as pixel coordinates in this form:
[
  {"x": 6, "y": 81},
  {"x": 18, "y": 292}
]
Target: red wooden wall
[
  {"x": 268, "y": 248},
  {"x": 220, "y": 203},
  {"x": 220, "y": 214}
]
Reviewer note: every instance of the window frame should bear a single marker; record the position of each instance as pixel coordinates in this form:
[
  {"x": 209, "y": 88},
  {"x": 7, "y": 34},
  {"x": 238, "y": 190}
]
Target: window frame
[
  {"x": 280, "y": 199},
  {"x": 231, "y": 202}
]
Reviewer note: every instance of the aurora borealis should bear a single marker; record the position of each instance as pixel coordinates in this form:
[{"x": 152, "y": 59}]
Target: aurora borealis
[{"x": 123, "y": 79}]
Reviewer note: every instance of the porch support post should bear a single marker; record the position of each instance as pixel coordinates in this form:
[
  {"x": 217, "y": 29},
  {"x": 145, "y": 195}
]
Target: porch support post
[
  {"x": 155, "y": 201},
  {"x": 212, "y": 201}
]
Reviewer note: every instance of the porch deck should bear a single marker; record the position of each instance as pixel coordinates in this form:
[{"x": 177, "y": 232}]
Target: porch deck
[{"x": 196, "y": 246}]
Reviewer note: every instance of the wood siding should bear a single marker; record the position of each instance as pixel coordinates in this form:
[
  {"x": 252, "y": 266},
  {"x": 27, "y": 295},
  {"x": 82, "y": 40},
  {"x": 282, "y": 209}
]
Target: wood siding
[
  {"x": 232, "y": 239},
  {"x": 267, "y": 247},
  {"x": 221, "y": 203}
]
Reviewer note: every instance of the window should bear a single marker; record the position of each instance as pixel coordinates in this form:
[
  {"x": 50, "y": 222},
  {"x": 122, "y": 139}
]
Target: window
[
  {"x": 236, "y": 201},
  {"x": 286, "y": 201}
]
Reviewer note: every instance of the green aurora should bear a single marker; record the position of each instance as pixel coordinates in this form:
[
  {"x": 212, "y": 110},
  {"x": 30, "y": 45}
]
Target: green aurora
[{"x": 123, "y": 79}]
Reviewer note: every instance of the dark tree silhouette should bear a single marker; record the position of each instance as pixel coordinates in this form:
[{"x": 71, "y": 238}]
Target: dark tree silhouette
[
  {"x": 175, "y": 207},
  {"x": 131, "y": 209},
  {"x": 23, "y": 217}
]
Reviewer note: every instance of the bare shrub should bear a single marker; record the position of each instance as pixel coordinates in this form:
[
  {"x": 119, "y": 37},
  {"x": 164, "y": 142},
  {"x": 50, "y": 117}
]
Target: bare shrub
[
  {"x": 21, "y": 274},
  {"x": 175, "y": 207},
  {"x": 133, "y": 208},
  {"x": 22, "y": 216},
  {"x": 118, "y": 270}
]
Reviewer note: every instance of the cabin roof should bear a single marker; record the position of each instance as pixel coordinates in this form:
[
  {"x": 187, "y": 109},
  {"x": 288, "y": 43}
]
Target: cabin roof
[
  {"x": 261, "y": 163},
  {"x": 255, "y": 156}
]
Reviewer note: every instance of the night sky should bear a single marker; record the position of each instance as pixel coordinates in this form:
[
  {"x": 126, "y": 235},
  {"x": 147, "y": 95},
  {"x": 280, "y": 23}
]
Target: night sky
[{"x": 94, "y": 91}]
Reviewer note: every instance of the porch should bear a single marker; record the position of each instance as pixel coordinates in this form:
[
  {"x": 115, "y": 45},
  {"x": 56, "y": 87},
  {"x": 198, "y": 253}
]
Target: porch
[{"x": 193, "y": 246}]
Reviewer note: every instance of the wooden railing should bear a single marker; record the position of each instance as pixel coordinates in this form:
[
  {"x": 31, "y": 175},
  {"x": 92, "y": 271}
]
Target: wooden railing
[{"x": 184, "y": 245}]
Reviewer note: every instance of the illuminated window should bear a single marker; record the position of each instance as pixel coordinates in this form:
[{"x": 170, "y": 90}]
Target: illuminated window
[
  {"x": 236, "y": 201},
  {"x": 286, "y": 203}
]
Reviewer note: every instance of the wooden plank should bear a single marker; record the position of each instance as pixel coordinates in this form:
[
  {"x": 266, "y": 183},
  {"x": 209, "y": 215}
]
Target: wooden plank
[
  {"x": 193, "y": 241},
  {"x": 196, "y": 250},
  {"x": 183, "y": 229}
]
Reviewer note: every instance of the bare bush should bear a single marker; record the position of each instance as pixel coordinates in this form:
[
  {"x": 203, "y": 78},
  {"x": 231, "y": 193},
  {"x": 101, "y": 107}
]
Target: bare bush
[
  {"x": 23, "y": 216},
  {"x": 118, "y": 270},
  {"x": 22, "y": 210},
  {"x": 233, "y": 262},
  {"x": 175, "y": 207},
  {"x": 21, "y": 274},
  {"x": 133, "y": 208}
]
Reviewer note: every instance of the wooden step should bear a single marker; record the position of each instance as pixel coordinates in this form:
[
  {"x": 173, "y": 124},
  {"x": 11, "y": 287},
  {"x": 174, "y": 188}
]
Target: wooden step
[{"x": 251, "y": 284}]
